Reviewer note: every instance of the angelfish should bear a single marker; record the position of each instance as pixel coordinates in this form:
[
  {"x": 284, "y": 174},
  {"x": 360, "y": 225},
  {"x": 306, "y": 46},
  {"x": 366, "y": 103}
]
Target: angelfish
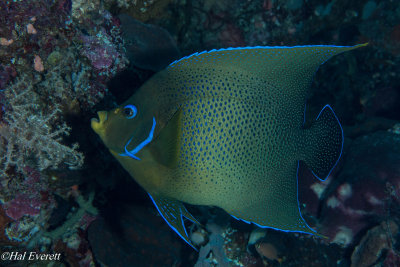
[{"x": 225, "y": 128}]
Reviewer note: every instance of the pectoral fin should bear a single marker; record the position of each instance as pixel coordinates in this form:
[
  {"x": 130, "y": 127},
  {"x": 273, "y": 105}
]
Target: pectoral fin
[
  {"x": 165, "y": 146},
  {"x": 173, "y": 212}
]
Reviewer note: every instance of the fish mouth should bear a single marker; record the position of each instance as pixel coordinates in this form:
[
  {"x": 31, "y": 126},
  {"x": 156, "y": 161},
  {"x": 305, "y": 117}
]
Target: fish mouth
[{"x": 98, "y": 123}]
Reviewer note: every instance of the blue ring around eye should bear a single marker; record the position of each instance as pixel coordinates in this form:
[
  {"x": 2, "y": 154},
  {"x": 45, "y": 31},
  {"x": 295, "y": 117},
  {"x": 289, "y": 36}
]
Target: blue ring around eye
[{"x": 134, "y": 111}]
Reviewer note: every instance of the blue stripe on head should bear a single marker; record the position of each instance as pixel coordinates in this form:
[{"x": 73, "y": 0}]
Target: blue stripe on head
[{"x": 141, "y": 145}]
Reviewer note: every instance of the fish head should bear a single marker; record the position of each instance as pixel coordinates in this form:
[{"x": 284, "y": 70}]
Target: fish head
[{"x": 126, "y": 129}]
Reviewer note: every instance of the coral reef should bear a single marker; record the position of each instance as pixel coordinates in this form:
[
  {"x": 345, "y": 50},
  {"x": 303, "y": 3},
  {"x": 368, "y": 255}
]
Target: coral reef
[
  {"x": 27, "y": 132},
  {"x": 234, "y": 243},
  {"x": 213, "y": 252},
  {"x": 58, "y": 62},
  {"x": 360, "y": 191},
  {"x": 374, "y": 246},
  {"x": 48, "y": 77},
  {"x": 143, "y": 10}
]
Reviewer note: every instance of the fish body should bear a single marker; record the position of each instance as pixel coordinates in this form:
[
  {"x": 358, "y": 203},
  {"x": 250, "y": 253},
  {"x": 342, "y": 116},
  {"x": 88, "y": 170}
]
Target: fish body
[{"x": 225, "y": 128}]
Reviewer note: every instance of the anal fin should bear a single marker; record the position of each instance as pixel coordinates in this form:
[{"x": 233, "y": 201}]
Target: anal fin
[
  {"x": 173, "y": 212},
  {"x": 275, "y": 207}
]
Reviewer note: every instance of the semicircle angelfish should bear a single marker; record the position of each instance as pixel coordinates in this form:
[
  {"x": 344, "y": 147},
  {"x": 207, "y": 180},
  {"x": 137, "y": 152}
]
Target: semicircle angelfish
[{"x": 225, "y": 128}]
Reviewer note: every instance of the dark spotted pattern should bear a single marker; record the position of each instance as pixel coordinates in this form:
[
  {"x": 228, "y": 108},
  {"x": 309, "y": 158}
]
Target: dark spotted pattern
[{"x": 241, "y": 135}]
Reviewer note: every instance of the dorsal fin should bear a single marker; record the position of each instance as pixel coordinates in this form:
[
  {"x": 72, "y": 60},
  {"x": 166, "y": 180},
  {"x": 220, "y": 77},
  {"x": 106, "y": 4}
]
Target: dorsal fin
[
  {"x": 282, "y": 66},
  {"x": 257, "y": 53},
  {"x": 258, "y": 75}
]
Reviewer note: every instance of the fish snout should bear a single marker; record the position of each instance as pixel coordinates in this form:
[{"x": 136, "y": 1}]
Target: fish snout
[{"x": 98, "y": 124}]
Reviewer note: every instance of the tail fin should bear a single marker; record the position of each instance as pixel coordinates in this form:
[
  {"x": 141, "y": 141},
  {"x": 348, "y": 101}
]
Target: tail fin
[{"x": 324, "y": 143}]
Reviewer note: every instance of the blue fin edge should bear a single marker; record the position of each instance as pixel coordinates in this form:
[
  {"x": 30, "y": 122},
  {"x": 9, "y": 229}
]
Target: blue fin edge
[
  {"x": 341, "y": 149},
  {"x": 173, "y": 228},
  {"x": 313, "y": 232},
  {"x": 253, "y": 47}
]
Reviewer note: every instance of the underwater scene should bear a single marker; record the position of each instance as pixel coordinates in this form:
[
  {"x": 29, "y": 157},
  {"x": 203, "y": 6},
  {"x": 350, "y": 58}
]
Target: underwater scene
[{"x": 199, "y": 133}]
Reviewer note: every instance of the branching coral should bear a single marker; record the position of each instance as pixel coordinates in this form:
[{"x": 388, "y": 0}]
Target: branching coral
[
  {"x": 30, "y": 134},
  {"x": 69, "y": 78}
]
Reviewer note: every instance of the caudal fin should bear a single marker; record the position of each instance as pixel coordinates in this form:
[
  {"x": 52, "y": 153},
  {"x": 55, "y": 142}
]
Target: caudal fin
[{"x": 324, "y": 143}]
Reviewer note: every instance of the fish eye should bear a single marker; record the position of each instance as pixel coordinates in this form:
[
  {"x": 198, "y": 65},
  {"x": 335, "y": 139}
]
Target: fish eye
[{"x": 130, "y": 111}]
